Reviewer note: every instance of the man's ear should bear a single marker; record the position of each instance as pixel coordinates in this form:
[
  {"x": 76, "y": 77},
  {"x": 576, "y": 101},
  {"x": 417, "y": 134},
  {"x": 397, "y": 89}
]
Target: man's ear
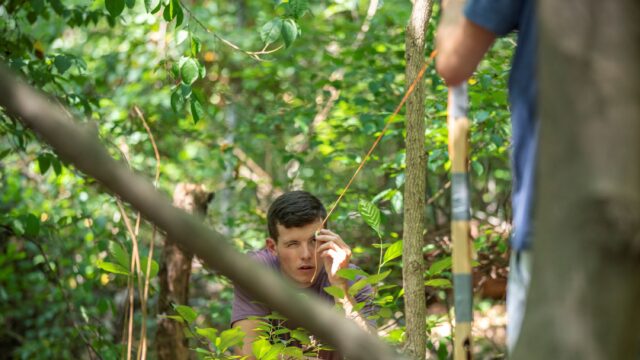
[{"x": 271, "y": 245}]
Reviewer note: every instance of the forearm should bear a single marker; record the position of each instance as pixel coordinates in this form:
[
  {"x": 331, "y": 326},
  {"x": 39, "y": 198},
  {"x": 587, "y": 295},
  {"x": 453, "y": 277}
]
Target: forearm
[
  {"x": 248, "y": 327},
  {"x": 460, "y": 43},
  {"x": 450, "y": 20},
  {"x": 348, "y": 304}
]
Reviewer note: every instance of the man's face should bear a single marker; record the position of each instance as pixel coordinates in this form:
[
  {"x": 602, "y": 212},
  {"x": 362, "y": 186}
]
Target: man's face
[{"x": 295, "y": 249}]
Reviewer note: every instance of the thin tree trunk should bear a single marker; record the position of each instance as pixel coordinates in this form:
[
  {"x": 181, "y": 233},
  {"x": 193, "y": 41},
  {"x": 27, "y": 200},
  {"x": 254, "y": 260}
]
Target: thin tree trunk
[
  {"x": 415, "y": 186},
  {"x": 585, "y": 291},
  {"x": 175, "y": 271},
  {"x": 25, "y": 104}
]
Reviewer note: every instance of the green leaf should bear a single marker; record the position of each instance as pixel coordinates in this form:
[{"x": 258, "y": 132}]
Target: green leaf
[
  {"x": 394, "y": 251},
  {"x": 150, "y": 4},
  {"x": 289, "y": 32},
  {"x": 112, "y": 267},
  {"x": 157, "y": 8},
  {"x": 174, "y": 7},
  {"x": 186, "y": 312},
  {"x": 44, "y": 161},
  {"x": 130, "y": 3},
  {"x": 37, "y": 5},
  {"x": 177, "y": 101},
  {"x": 439, "y": 266},
  {"x": 231, "y": 337},
  {"x": 177, "y": 318},
  {"x": 189, "y": 71},
  {"x": 196, "y": 46},
  {"x": 385, "y": 312},
  {"x": 4, "y": 153},
  {"x": 58, "y": 7},
  {"x": 301, "y": 336},
  {"x": 197, "y": 112},
  {"x": 179, "y": 16},
  {"x": 204, "y": 352},
  {"x": 438, "y": 283},
  {"x": 32, "y": 225},
  {"x": 62, "y": 63},
  {"x": 270, "y": 32},
  {"x": 209, "y": 333},
  {"x": 397, "y": 202},
  {"x": 154, "y": 267},
  {"x": 185, "y": 91},
  {"x": 166, "y": 13},
  {"x": 173, "y": 10},
  {"x": 18, "y": 227},
  {"x": 334, "y": 291},
  {"x": 175, "y": 70},
  {"x": 477, "y": 167},
  {"x": 274, "y": 352},
  {"x": 119, "y": 254},
  {"x": 371, "y": 215},
  {"x": 350, "y": 274},
  {"x": 359, "y": 285},
  {"x": 260, "y": 348},
  {"x": 57, "y": 166},
  {"x": 297, "y": 8},
  {"x": 376, "y": 278},
  {"x": 292, "y": 352},
  {"x": 114, "y": 7},
  {"x": 202, "y": 71}
]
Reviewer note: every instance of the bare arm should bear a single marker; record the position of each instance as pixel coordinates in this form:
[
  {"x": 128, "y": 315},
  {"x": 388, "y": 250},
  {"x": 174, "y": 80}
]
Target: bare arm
[
  {"x": 248, "y": 327},
  {"x": 349, "y": 303},
  {"x": 460, "y": 43}
]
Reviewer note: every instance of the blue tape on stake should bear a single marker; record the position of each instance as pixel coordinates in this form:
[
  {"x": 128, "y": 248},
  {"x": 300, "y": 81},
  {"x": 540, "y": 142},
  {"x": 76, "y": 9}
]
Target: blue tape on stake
[
  {"x": 462, "y": 297},
  {"x": 459, "y": 101},
  {"x": 460, "y": 196}
]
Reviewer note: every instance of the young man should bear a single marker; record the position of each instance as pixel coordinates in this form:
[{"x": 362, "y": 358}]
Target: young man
[
  {"x": 462, "y": 41},
  {"x": 307, "y": 255}
]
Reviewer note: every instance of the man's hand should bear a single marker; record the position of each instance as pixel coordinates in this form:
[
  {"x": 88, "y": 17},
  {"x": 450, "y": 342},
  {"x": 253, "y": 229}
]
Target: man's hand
[{"x": 335, "y": 255}]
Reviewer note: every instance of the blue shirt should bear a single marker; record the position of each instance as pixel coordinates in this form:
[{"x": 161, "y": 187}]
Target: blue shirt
[{"x": 502, "y": 17}]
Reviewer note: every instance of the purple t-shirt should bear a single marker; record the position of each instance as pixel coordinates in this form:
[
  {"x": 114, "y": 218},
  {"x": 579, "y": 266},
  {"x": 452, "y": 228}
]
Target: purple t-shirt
[{"x": 244, "y": 306}]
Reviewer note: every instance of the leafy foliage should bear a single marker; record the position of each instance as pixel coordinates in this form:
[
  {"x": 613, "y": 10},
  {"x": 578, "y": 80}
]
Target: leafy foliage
[{"x": 304, "y": 115}]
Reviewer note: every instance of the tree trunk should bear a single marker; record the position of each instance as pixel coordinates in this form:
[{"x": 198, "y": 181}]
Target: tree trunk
[
  {"x": 585, "y": 291},
  {"x": 415, "y": 186},
  {"x": 175, "y": 271}
]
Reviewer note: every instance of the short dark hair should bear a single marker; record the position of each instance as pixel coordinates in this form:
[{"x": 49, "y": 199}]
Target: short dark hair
[{"x": 294, "y": 209}]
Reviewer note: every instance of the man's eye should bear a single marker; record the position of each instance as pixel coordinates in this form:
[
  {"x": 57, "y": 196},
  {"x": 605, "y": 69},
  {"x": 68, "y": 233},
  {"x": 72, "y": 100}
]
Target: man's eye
[{"x": 291, "y": 244}]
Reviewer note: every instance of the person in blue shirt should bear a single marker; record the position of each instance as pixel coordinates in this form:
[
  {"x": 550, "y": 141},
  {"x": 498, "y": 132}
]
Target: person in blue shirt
[{"x": 465, "y": 34}]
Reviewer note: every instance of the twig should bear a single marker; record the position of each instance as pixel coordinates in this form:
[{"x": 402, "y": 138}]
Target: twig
[
  {"x": 135, "y": 265},
  {"x": 439, "y": 193},
  {"x": 371, "y": 12},
  {"x": 252, "y": 54},
  {"x": 145, "y": 295}
]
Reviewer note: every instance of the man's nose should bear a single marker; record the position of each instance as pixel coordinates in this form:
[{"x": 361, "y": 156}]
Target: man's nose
[{"x": 306, "y": 251}]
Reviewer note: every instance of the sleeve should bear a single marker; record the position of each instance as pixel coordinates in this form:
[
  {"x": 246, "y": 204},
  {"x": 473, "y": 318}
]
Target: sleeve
[
  {"x": 498, "y": 16},
  {"x": 365, "y": 295},
  {"x": 244, "y": 306}
]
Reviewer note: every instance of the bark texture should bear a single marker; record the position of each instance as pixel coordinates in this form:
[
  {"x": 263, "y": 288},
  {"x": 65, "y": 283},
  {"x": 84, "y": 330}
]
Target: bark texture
[
  {"x": 585, "y": 291},
  {"x": 85, "y": 152},
  {"x": 415, "y": 186},
  {"x": 175, "y": 272}
]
